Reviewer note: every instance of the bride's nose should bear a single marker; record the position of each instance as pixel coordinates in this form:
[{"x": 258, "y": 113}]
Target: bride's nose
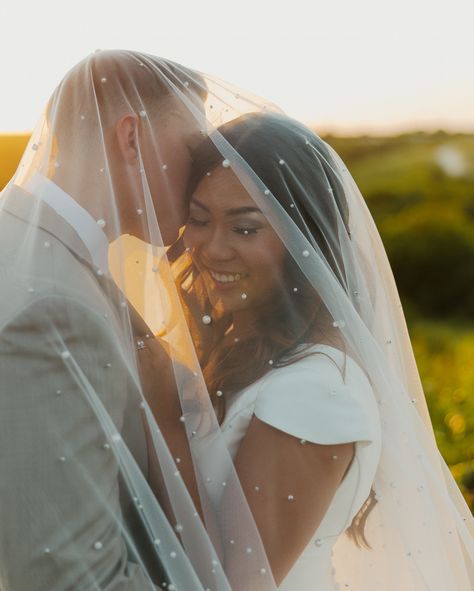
[{"x": 217, "y": 247}]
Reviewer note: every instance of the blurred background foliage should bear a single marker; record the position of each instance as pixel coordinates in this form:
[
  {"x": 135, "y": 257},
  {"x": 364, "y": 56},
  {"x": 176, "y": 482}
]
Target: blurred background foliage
[{"x": 419, "y": 188}]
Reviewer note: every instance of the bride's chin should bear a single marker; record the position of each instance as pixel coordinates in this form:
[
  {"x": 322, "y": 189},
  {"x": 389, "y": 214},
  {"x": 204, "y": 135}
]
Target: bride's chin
[{"x": 220, "y": 306}]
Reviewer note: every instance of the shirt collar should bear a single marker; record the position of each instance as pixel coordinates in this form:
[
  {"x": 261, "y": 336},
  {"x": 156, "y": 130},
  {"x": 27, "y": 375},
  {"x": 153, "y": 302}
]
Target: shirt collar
[{"x": 75, "y": 215}]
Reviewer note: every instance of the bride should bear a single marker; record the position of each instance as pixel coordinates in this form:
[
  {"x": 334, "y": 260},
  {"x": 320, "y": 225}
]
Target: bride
[{"x": 294, "y": 316}]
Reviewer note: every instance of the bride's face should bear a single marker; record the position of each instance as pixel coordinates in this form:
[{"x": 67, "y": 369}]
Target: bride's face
[{"x": 236, "y": 250}]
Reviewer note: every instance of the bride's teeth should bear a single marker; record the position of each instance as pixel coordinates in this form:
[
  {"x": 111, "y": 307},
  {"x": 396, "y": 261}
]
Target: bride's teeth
[{"x": 225, "y": 278}]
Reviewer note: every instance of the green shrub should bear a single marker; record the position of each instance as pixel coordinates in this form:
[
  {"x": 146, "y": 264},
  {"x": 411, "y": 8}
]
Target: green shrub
[{"x": 431, "y": 251}]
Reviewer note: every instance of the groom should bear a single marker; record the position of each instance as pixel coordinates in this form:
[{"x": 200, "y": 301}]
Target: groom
[{"x": 68, "y": 391}]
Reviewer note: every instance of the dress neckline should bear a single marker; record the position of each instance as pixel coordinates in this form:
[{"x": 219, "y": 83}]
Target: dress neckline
[{"x": 309, "y": 346}]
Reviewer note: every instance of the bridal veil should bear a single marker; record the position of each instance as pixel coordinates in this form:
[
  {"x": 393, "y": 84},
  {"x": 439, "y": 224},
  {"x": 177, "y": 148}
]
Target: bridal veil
[{"x": 137, "y": 483}]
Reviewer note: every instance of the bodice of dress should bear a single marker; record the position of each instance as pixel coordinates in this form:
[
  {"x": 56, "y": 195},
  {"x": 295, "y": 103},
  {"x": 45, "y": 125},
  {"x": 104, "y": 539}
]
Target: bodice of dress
[{"x": 315, "y": 399}]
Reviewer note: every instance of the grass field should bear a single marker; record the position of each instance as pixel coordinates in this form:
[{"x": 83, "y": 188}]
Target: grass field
[
  {"x": 445, "y": 357},
  {"x": 11, "y": 149}
]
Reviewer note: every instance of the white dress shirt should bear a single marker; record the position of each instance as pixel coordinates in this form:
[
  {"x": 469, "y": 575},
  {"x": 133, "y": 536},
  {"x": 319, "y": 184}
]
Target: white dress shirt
[{"x": 75, "y": 215}]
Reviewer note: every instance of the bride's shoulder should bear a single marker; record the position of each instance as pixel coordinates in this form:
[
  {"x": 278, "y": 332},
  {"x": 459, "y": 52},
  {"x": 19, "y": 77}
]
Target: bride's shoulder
[
  {"x": 321, "y": 395},
  {"x": 320, "y": 363}
]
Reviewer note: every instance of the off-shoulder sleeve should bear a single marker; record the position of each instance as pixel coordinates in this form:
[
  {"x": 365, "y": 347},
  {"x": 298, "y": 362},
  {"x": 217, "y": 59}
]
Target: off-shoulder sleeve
[{"x": 313, "y": 399}]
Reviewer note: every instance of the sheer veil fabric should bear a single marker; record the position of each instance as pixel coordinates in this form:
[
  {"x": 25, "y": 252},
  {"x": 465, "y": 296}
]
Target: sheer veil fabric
[{"x": 115, "y": 471}]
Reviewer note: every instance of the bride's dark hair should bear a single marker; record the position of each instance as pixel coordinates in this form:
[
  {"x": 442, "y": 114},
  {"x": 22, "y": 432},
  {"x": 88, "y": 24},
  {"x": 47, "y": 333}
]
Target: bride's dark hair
[{"x": 309, "y": 190}]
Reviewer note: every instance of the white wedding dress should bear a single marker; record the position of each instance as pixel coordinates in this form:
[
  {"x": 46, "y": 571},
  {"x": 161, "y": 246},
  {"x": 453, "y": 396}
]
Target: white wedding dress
[{"x": 310, "y": 400}]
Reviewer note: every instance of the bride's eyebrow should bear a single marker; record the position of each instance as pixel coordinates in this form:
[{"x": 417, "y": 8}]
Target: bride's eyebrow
[
  {"x": 195, "y": 201},
  {"x": 233, "y": 211},
  {"x": 239, "y": 210}
]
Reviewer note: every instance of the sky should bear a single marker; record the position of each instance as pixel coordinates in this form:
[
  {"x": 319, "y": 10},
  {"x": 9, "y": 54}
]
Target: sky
[{"x": 346, "y": 66}]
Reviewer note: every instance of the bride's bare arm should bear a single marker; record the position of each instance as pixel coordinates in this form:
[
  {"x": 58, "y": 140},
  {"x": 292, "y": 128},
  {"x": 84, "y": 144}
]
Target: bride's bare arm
[{"x": 289, "y": 487}]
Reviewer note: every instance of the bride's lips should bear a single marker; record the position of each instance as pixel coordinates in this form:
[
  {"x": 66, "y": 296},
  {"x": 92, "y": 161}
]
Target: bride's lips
[{"x": 225, "y": 280}]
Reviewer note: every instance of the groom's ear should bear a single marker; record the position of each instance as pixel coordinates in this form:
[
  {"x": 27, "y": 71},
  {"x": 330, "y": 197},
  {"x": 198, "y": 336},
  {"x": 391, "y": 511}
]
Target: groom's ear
[{"x": 126, "y": 133}]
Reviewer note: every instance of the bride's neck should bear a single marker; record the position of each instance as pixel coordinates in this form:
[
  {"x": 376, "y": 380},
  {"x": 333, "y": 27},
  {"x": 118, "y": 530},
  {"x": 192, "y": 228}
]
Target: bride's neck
[{"x": 243, "y": 326}]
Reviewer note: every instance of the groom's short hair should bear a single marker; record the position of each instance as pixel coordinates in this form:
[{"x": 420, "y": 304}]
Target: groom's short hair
[
  {"x": 108, "y": 84},
  {"x": 142, "y": 80}
]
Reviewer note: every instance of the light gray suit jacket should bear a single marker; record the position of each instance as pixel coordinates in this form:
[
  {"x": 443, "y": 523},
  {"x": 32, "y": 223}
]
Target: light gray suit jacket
[{"x": 61, "y": 525}]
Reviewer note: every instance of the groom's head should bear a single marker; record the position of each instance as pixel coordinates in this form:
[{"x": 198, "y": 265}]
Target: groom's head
[{"x": 123, "y": 125}]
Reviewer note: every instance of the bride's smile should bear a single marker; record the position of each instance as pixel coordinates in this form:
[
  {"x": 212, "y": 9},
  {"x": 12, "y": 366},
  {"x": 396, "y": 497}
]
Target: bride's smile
[
  {"x": 232, "y": 244},
  {"x": 226, "y": 276}
]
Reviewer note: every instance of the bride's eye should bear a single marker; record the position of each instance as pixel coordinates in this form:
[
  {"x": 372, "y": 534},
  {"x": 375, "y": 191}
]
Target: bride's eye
[
  {"x": 245, "y": 231},
  {"x": 192, "y": 221}
]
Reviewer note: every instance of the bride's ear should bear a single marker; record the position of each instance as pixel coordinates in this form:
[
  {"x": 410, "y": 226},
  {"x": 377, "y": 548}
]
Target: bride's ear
[{"x": 126, "y": 133}]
